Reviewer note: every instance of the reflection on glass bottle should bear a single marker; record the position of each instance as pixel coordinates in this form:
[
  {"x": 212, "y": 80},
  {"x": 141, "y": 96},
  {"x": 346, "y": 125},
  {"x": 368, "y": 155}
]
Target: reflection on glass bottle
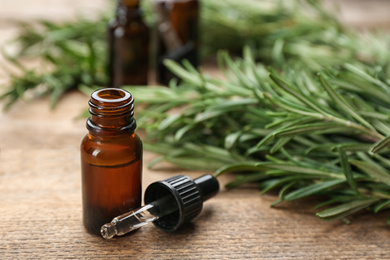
[
  {"x": 129, "y": 46},
  {"x": 177, "y": 34}
]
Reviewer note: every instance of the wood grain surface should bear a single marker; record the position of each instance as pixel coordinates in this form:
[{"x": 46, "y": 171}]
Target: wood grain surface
[{"x": 40, "y": 196}]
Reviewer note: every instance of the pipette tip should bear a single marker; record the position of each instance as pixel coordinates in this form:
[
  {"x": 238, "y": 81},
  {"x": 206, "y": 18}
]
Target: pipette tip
[{"x": 108, "y": 230}]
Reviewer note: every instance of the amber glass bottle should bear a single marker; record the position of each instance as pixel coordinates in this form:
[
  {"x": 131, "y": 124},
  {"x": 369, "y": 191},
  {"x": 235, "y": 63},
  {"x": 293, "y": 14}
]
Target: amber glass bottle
[
  {"x": 129, "y": 50},
  {"x": 111, "y": 159},
  {"x": 177, "y": 34}
]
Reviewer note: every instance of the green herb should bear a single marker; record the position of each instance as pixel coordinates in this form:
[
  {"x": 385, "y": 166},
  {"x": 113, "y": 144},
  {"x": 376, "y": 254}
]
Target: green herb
[
  {"x": 74, "y": 53},
  {"x": 70, "y": 54},
  {"x": 299, "y": 132}
]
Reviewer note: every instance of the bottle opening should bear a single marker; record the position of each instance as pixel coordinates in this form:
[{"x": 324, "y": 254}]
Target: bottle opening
[
  {"x": 111, "y": 95},
  {"x": 111, "y": 108}
]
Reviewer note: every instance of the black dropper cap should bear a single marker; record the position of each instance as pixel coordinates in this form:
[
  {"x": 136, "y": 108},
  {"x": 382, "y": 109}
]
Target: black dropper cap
[{"x": 188, "y": 194}]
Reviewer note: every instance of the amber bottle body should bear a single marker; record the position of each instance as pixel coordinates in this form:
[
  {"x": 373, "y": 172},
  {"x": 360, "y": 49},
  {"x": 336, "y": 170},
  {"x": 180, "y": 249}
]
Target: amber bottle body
[
  {"x": 111, "y": 159},
  {"x": 129, "y": 40},
  {"x": 177, "y": 34}
]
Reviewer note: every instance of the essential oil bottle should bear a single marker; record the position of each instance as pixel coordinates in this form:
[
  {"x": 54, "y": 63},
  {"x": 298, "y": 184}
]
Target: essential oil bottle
[
  {"x": 128, "y": 40},
  {"x": 111, "y": 159},
  {"x": 177, "y": 34}
]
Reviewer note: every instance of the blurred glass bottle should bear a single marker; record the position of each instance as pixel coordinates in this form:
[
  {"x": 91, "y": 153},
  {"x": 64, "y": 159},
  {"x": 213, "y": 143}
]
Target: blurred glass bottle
[
  {"x": 128, "y": 42},
  {"x": 177, "y": 34}
]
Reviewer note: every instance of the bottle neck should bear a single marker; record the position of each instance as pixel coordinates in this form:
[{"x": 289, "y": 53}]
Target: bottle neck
[
  {"x": 130, "y": 3},
  {"x": 120, "y": 10},
  {"x": 128, "y": 14},
  {"x": 111, "y": 112}
]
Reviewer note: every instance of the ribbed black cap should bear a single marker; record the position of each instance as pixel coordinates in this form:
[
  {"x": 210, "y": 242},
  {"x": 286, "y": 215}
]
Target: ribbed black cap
[{"x": 188, "y": 194}]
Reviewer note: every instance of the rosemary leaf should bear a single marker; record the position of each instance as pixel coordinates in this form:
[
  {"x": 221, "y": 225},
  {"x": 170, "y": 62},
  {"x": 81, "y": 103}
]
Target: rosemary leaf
[
  {"x": 380, "y": 145},
  {"x": 381, "y": 206},
  {"x": 313, "y": 189},
  {"x": 347, "y": 169},
  {"x": 342, "y": 103},
  {"x": 378, "y": 173},
  {"x": 310, "y": 128},
  {"x": 346, "y": 209}
]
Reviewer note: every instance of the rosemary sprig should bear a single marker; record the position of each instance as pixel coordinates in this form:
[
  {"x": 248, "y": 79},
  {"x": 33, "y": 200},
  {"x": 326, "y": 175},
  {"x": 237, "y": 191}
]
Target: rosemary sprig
[
  {"x": 300, "y": 133},
  {"x": 71, "y": 55},
  {"x": 74, "y": 52}
]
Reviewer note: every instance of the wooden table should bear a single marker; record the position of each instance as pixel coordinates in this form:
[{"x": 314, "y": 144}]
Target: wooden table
[{"x": 40, "y": 205}]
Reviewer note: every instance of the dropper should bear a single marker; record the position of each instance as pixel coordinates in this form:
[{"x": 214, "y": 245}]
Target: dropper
[{"x": 169, "y": 204}]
